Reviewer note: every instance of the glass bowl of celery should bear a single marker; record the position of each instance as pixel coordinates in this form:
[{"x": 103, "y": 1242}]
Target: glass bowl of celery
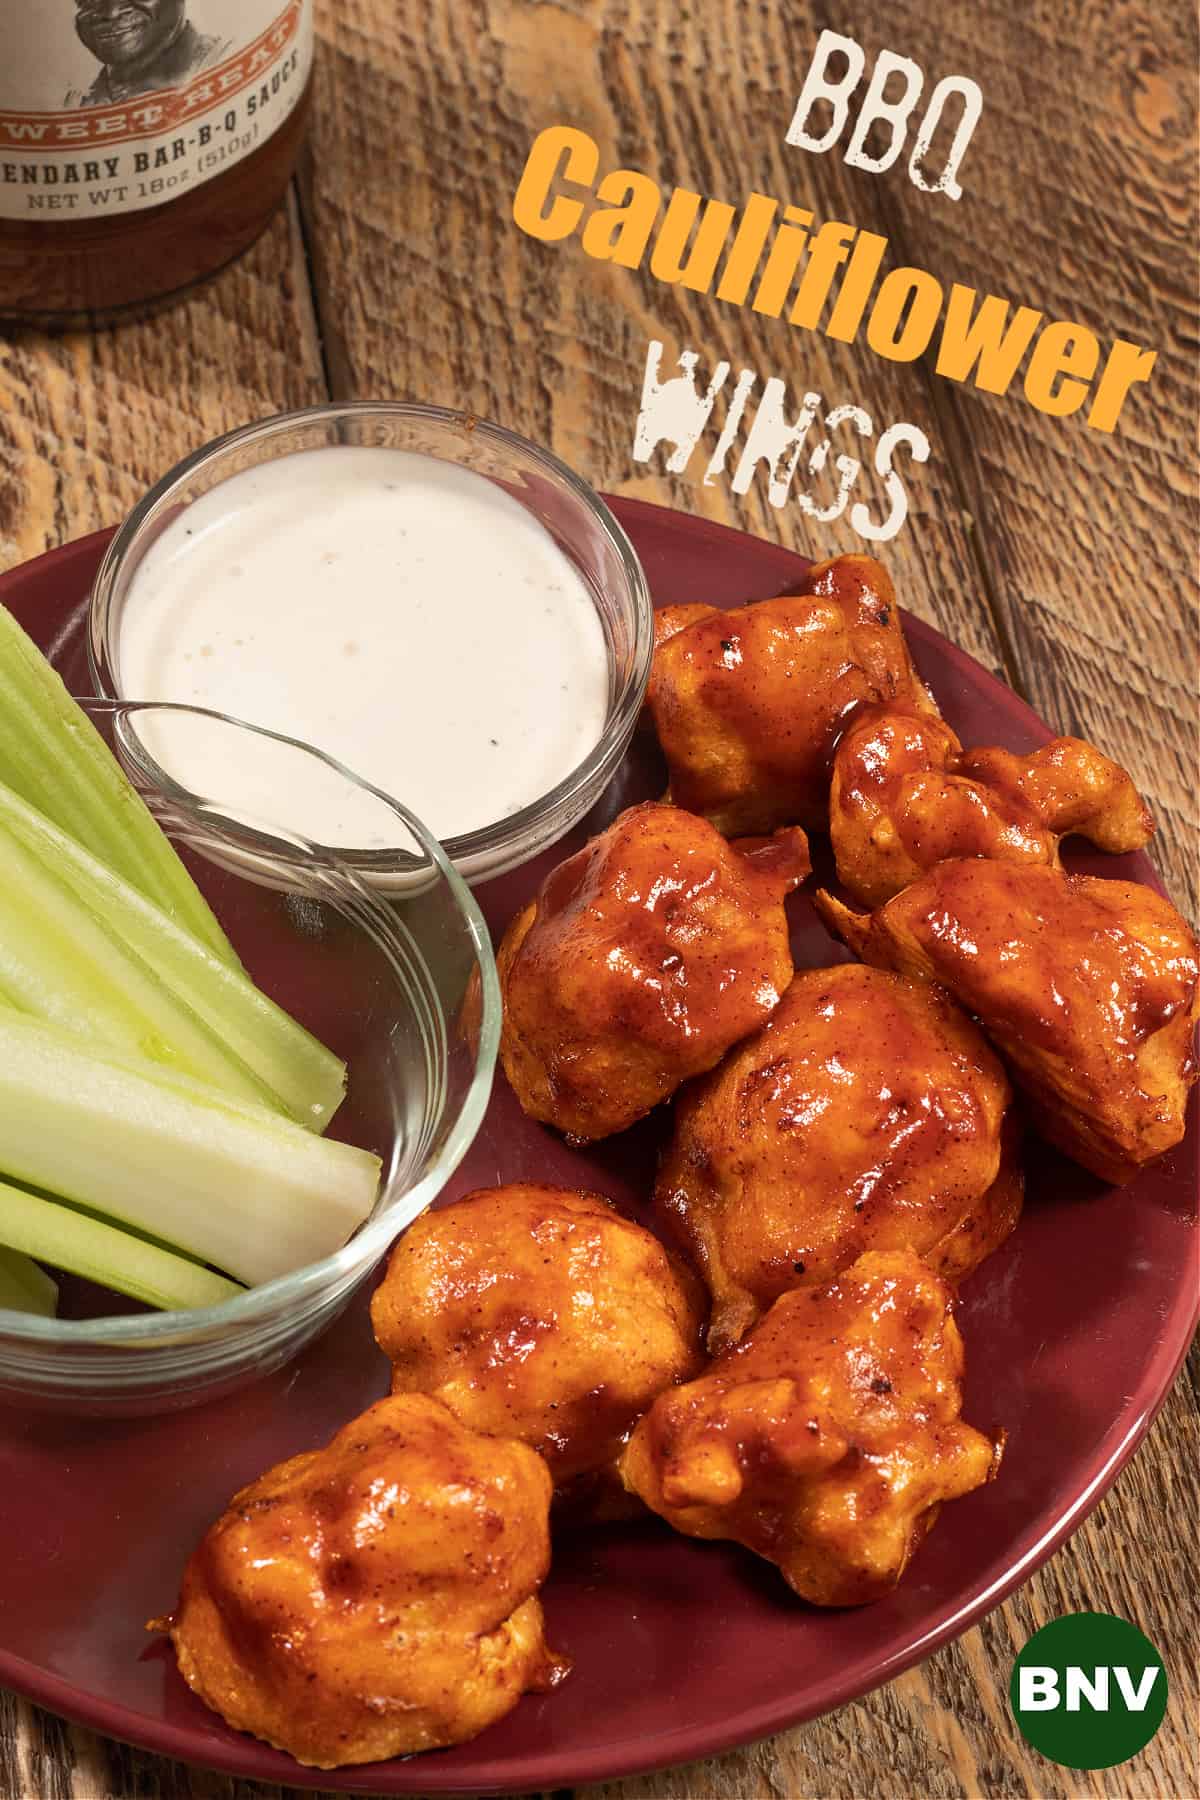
[{"x": 231, "y": 1072}]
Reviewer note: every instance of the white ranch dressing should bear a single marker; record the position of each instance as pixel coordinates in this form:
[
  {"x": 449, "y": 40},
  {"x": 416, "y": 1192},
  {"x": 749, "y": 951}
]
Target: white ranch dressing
[{"x": 405, "y": 615}]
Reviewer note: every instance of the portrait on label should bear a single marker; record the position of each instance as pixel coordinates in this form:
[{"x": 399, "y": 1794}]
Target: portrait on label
[{"x": 141, "y": 46}]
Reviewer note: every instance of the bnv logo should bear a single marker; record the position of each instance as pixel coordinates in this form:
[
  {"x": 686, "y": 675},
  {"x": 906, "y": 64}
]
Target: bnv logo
[{"x": 1088, "y": 1691}]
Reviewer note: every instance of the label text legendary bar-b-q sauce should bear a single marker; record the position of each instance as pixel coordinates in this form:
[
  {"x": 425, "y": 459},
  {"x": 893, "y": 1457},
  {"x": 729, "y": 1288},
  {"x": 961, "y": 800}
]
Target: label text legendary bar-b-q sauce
[{"x": 143, "y": 143}]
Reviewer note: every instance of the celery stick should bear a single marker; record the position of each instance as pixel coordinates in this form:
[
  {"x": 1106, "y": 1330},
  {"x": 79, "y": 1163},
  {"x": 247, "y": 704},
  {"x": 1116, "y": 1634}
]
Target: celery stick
[
  {"x": 304, "y": 1078},
  {"x": 133, "y": 1230},
  {"x": 54, "y": 757},
  {"x": 24, "y": 1287},
  {"x": 232, "y": 1183},
  {"x": 105, "y": 1255},
  {"x": 61, "y": 963}
]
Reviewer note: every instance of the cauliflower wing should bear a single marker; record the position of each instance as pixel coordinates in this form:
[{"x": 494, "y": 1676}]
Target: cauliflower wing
[
  {"x": 643, "y": 958},
  {"x": 868, "y": 1114},
  {"x": 541, "y": 1314},
  {"x": 375, "y": 1597},
  {"x": 1089, "y": 988},
  {"x": 905, "y": 796},
  {"x": 748, "y": 704},
  {"x": 828, "y": 1439}
]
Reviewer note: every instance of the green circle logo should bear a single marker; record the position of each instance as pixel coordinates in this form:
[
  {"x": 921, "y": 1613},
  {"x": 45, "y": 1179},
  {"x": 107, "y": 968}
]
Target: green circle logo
[{"x": 1088, "y": 1691}]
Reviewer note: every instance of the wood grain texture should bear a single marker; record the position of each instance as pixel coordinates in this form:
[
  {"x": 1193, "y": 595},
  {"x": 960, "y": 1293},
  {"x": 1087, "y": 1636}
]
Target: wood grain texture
[
  {"x": 88, "y": 423},
  {"x": 1057, "y": 555},
  {"x": 1084, "y": 158},
  {"x": 425, "y": 286}
]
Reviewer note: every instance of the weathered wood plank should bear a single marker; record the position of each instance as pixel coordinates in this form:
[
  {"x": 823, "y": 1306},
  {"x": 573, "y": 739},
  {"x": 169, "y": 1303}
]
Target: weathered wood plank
[
  {"x": 1081, "y": 200},
  {"x": 88, "y": 423},
  {"x": 427, "y": 289}
]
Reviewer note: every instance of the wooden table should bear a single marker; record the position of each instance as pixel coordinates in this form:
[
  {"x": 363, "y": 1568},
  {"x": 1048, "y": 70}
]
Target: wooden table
[{"x": 1059, "y": 556}]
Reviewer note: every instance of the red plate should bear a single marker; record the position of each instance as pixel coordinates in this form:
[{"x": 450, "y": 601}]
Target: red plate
[{"x": 1074, "y": 1333}]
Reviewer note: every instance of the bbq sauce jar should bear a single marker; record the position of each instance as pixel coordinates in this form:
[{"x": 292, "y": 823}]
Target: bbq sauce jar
[{"x": 143, "y": 144}]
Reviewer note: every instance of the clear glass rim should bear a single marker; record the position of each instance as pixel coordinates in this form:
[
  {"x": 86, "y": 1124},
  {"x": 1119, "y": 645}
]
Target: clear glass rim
[
  {"x": 131, "y": 1331},
  {"x": 587, "y": 775}
]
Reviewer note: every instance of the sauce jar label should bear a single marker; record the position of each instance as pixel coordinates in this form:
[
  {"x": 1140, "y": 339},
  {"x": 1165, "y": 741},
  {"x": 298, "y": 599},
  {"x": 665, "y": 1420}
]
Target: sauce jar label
[{"x": 116, "y": 105}]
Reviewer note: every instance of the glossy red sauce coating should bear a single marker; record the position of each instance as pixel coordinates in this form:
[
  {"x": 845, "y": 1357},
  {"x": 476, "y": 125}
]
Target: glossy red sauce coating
[
  {"x": 827, "y": 1440},
  {"x": 748, "y": 704},
  {"x": 377, "y": 1596},
  {"x": 869, "y": 1113},
  {"x": 642, "y": 959},
  {"x": 1089, "y": 987}
]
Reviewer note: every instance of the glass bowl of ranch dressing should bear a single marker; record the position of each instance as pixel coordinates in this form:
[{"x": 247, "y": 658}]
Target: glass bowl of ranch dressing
[{"x": 440, "y": 605}]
